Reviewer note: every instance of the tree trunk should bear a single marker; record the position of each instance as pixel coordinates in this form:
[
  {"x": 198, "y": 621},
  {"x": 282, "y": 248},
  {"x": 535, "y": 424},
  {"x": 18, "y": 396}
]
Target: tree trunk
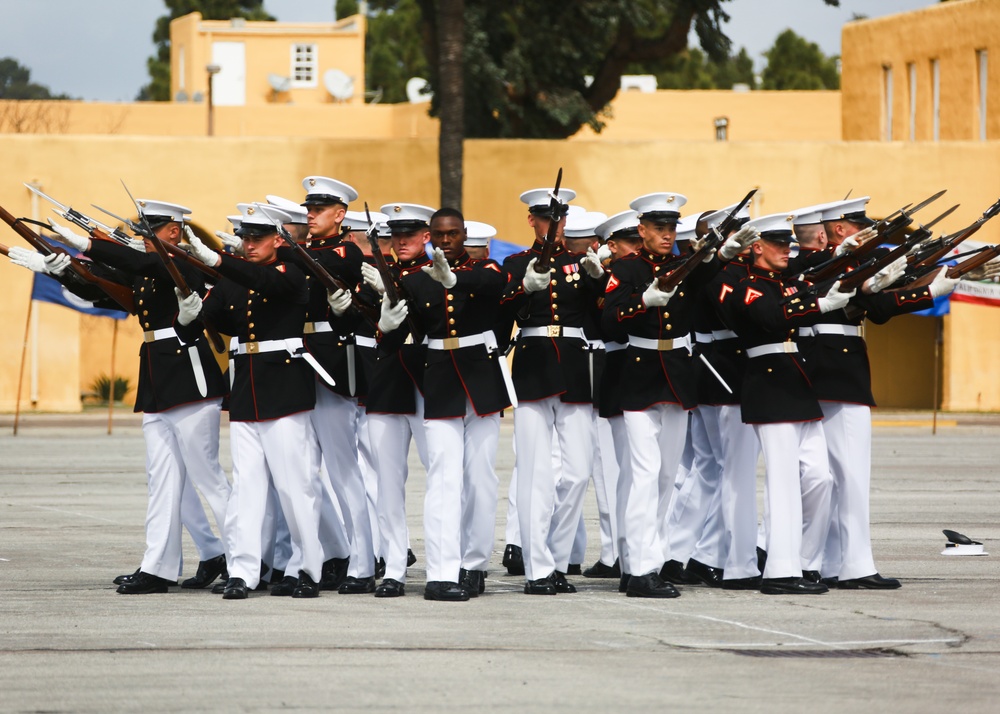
[{"x": 451, "y": 95}]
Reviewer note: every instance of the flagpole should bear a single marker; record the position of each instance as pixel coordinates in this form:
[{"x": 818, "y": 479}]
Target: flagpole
[
  {"x": 938, "y": 338},
  {"x": 20, "y": 371},
  {"x": 111, "y": 387}
]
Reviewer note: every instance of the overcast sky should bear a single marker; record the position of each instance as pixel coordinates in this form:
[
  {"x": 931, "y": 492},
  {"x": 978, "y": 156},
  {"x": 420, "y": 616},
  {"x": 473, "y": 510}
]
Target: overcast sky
[{"x": 97, "y": 49}]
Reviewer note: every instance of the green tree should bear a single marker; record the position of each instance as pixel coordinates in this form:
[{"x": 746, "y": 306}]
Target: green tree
[
  {"x": 394, "y": 48},
  {"x": 158, "y": 65},
  {"x": 795, "y": 63},
  {"x": 15, "y": 83},
  {"x": 693, "y": 69}
]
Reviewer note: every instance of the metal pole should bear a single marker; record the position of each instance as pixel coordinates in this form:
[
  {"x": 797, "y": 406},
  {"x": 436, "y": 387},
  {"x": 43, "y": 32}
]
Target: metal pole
[
  {"x": 20, "y": 372},
  {"x": 111, "y": 388},
  {"x": 938, "y": 337}
]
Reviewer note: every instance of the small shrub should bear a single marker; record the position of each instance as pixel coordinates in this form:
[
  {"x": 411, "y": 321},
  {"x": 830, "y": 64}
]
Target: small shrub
[{"x": 101, "y": 387}]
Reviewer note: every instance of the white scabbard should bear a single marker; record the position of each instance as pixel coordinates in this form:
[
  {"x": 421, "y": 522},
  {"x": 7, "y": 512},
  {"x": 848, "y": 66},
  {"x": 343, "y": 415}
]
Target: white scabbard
[
  {"x": 712, "y": 370},
  {"x": 199, "y": 370}
]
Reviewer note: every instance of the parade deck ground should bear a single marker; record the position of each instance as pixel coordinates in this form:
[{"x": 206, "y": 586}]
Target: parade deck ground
[{"x": 72, "y": 509}]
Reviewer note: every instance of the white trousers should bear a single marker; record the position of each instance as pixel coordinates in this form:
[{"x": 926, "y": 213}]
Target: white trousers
[
  {"x": 605, "y": 477},
  {"x": 335, "y": 419},
  {"x": 366, "y": 460},
  {"x": 461, "y": 502},
  {"x": 848, "y": 430},
  {"x": 545, "y": 548},
  {"x": 182, "y": 449},
  {"x": 656, "y": 440},
  {"x": 283, "y": 452},
  {"x": 798, "y": 491},
  {"x": 619, "y": 436},
  {"x": 390, "y": 435},
  {"x": 738, "y": 494},
  {"x": 695, "y": 520}
]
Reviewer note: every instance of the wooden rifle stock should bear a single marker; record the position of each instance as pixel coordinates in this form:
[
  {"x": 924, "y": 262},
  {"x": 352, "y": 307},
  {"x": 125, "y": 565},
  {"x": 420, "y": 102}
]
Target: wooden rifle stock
[
  {"x": 544, "y": 261},
  {"x": 671, "y": 280},
  {"x": 121, "y": 294},
  {"x": 981, "y": 257}
]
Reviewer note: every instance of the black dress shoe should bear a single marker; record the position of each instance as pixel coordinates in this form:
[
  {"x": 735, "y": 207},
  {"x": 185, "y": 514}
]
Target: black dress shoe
[
  {"x": 791, "y": 586},
  {"x": 650, "y": 585},
  {"x": 474, "y": 581},
  {"x": 208, "y": 571},
  {"x": 390, "y": 588},
  {"x": 673, "y": 572},
  {"x": 276, "y": 576},
  {"x": 704, "y": 574},
  {"x": 811, "y": 575},
  {"x": 761, "y": 559},
  {"x": 219, "y": 587},
  {"x": 752, "y": 583},
  {"x": 445, "y": 591},
  {"x": 870, "y": 582},
  {"x": 334, "y": 572},
  {"x": 126, "y": 577},
  {"x": 623, "y": 583},
  {"x": 285, "y": 586},
  {"x": 357, "y": 586},
  {"x": 574, "y": 569},
  {"x": 561, "y": 584},
  {"x": 144, "y": 584},
  {"x": 830, "y": 582},
  {"x": 513, "y": 560},
  {"x": 410, "y": 558},
  {"x": 380, "y": 568},
  {"x": 236, "y": 589},
  {"x": 542, "y": 586},
  {"x": 600, "y": 570},
  {"x": 306, "y": 586}
]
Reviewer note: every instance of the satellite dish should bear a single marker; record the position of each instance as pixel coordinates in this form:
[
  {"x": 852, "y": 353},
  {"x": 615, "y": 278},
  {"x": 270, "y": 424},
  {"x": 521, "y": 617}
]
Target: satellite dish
[
  {"x": 181, "y": 96},
  {"x": 417, "y": 90},
  {"x": 279, "y": 83},
  {"x": 339, "y": 85}
]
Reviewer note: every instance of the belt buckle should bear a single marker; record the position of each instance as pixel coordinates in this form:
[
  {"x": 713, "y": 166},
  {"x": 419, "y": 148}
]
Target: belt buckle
[
  {"x": 309, "y": 328},
  {"x": 788, "y": 347},
  {"x": 408, "y": 340},
  {"x": 252, "y": 348},
  {"x": 553, "y": 331},
  {"x": 450, "y": 343},
  {"x": 149, "y": 336}
]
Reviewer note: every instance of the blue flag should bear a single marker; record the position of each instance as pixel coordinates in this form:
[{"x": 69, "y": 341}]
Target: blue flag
[{"x": 48, "y": 289}]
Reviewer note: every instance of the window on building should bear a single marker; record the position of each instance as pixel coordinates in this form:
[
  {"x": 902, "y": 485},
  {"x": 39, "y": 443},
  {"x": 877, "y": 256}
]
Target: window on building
[
  {"x": 982, "y": 62},
  {"x": 887, "y": 100},
  {"x": 180, "y": 68},
  {"x": 911, "y": 71},
  {"x": 936, "y": 99},
  {"x": 304, "y": 65}
]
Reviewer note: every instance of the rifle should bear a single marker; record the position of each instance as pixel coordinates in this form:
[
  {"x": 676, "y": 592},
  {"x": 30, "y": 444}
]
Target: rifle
[
  {"x": 392, "y": 290},
  {"x": 978, "y": 257},
  {"x": 4, "y": 249},
  {"x": 331, "y": 283},
  {"x": 175, "y": 274},
  {"x": 709, "y": 245},
  {"x": 121, "y": 294},
  {"x": 886, "y": 230},
  {"x": 175, "y": 251},
  {"x": 556, "y": 210},
  {"x": 928, "y": 258}
]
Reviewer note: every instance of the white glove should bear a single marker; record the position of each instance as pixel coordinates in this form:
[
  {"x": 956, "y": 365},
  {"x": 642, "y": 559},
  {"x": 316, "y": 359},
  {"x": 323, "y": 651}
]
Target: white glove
[
  {"x": 392, "y": 317},
  {"x": 592, "y": 264},
  {"x": 942, "y": 284},
  {"x": 847, "y": 246},
  {"x": 990, "y": 271},
  {"x": 73, "y": 240},
  {"x": 834, "y": 299},
  {"x": 201, "y": 251},
  {"x": 654, "y": 297},
  {"x": 29, "y": 259},
  {"x": 188, "y": 308},
  {"x": 56, "y": 263},
  {"x": 885, "y": 277},
  {"x": 533, "y": 280},
  {"x": 696, "y": 245},
  {"x": 440, "y": 270},
  {"x": 339, "y": 301},
  {"x": 738, "y": 241},
  {"x": 603, "y": 253},
  {"x": 136, "y": 244},
  {"x": 373, "y": 277},
  {"x": 234, "y": 243}
]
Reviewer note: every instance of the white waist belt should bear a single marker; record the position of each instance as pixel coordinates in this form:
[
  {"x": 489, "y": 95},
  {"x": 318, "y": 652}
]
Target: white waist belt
[
  {"x": 292, "y": 345},
  {"x": 661, "y": 345},
  {"x": 704, "y": 337},
  {"x": 595, "y": 344},
  {"x": 363, "y": 341},
  {"x": 723, "y": 334},
  {"x": 165, "y": 334},
  {"x": 773, "y": 349},
  {"x": 614, "y": 346},
  {"x": 845, "y": 330},
  {"x": 553, "y": 331},
  {"x": 454, "y": 343},
  {"x": 312, "y": 327}
]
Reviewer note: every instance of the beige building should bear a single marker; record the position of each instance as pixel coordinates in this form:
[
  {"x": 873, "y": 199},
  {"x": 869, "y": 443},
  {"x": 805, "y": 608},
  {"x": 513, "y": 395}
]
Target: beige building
[{"x": 787, "y": 144}]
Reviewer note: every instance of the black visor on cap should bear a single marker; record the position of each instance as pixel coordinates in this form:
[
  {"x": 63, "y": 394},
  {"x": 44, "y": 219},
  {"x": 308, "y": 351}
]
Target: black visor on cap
[
  {"x": 323, "y": 199},
  {"x": 783, "y": 237},
  {"x": 255, "y": 230},
  {"x": 860, "y": 218},
  {"x": 406, "y": 226},
  {"x": 628, "y": 234},
  {"x": 660, "y": 217},
  {"x": 157, "y": 221},
  {"x": 544, "y": 210}
]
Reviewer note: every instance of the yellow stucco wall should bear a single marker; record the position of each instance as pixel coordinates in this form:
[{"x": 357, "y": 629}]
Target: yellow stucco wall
[
  {"x": 267, "y": 46},
  {"x": 949, "y": 32},
  {"x": 690, "y": 116},
  {"x": 211, "y": 175}
]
